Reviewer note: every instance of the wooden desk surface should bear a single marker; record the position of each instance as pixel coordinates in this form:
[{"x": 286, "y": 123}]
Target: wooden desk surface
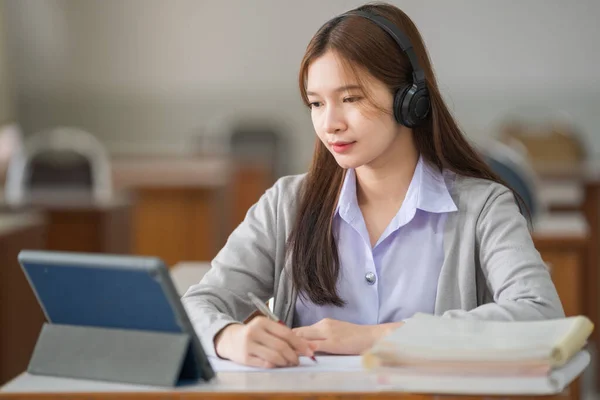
[
  {"x": 231, "y": 385},
  {"x": 13, "y": 221},
  {"x": 588, "y": 171},
  {"x": 563, "y": 241},
  {"x": 569, "y": 229},
  {"x": 587, "y": 175},
  {"x": 164, "y": 172},
  {"x": 68, "y": 200},
  {"x": 78, "y": 222}
]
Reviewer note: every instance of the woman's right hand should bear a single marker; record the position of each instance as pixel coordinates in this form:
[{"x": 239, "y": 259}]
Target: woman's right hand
[{"x": 261, "y": 343}]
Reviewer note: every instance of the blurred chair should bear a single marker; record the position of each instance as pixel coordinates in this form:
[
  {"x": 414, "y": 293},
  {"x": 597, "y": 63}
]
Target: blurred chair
[
  {"x": 259, "y": 144},
  {"x": 548, "y": 143},
  {"x": 62, "y": 160},
  {"x": 11, "y": 139},
  {"x": 512, "y": 166},
  {"x": 249, "y": 139},
  {"x": 256, "y": 146}
]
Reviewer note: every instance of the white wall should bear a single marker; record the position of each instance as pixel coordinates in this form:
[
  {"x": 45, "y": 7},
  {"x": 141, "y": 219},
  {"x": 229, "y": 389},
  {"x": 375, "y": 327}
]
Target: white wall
[
  {"x": 146, "y": 75},
  {"x": 6, "y": 104}
]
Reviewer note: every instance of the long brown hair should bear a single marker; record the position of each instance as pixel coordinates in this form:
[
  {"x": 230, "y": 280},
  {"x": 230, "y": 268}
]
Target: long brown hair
[{"x": 359, "y": 42}]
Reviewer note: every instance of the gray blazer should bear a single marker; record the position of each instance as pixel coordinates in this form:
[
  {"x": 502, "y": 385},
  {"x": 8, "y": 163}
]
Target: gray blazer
[{"x": 491, "y": 268}]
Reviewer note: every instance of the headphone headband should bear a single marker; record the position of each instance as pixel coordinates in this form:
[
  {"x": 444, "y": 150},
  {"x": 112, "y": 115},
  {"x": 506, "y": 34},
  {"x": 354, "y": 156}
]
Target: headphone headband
[{"x": 399, "y": 37}]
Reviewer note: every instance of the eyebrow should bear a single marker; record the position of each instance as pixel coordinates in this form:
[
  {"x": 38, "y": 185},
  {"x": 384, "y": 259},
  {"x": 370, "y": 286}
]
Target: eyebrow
[{"x": 338, "y": 90}]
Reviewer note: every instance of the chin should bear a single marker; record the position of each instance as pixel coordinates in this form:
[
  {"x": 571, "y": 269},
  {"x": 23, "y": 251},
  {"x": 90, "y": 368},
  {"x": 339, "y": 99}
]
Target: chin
[{"x": 348, "y": 162}]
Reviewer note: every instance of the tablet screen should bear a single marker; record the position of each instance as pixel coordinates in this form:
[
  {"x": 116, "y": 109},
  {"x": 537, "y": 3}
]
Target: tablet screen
[{"x": 103, "y": 297}]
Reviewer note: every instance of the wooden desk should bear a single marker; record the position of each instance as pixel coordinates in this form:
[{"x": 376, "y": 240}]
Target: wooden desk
[
  {"x": 180, "y": 205},
  {"x": 585, "y": 171},
  {"x": 561, "y": 196},
  {"x": 20, "y": 314},
  {"x": 588, "y": 176},
  {"x": 187, "y": 207},
  {"x": 563, "y": 241},
  {"x": 77, "y": 222},
  {"x": 233, "y": 385}
]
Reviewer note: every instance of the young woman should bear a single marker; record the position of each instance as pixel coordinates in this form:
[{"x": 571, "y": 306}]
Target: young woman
[{"x": 397, "y": 215}]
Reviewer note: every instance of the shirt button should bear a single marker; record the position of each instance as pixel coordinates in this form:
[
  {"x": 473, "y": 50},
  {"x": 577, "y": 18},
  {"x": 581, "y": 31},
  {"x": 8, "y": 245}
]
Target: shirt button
[{"x": 370, "y": 278}]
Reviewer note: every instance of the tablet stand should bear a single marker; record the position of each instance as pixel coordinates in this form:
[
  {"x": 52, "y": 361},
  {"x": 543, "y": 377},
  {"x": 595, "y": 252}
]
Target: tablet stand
[{"x": 118, "y": 355}]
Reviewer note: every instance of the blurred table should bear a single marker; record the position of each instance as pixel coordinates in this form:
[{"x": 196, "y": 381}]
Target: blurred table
[
  {"x": 563, "y": 241},
  {"x": 587, "y": 176},
  {"x": 180, "y": 205},
  {"x": 562, "y": 196},
  {"x": 78, "y": 222},
  {"x": 186, "y": 207},
  {"x": 584, "y": 171},
  {"x": 21, "y": 317}
]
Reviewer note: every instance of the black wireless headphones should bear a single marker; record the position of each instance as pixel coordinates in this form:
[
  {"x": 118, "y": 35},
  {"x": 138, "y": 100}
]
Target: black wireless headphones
[{"x": 411, "y": 102}]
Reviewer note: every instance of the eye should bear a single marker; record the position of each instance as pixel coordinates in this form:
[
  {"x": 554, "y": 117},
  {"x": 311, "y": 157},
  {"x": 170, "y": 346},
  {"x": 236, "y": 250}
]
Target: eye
[
  {"x": 352, "y": 99},
  {"x": 315, "y": 104}
]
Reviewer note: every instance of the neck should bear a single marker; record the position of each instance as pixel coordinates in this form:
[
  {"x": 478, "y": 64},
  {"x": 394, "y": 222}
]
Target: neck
[{"x": 385, "y": 181}]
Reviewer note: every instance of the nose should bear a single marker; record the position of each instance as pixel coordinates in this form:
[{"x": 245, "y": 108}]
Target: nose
[{"x": 333, "y": 120}]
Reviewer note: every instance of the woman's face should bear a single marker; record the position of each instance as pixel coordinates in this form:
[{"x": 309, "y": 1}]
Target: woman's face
[{"x": 353, "y": 129}]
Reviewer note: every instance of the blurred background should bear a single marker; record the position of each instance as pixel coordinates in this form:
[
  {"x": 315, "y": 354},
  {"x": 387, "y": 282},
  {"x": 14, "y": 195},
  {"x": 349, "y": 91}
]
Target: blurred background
[{"x": 150, "y": 126}]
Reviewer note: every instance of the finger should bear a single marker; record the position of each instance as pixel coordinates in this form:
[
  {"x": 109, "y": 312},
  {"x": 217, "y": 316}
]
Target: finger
[
  {"x": 330, "y": 346},
  {"x": 268, "y": 354},
  {"x": 323, "y": 346},
  {"x": 283, "y": 332},
  {"x": 312, "y": 345},
  {"x": 281, "y": 346},
  {"x": 309, "y": 333},
  {"x": 254, "y": 361}
]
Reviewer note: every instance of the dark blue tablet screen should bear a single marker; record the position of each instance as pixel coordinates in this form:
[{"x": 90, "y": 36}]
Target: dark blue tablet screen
[{"x": 103, "y": 297}]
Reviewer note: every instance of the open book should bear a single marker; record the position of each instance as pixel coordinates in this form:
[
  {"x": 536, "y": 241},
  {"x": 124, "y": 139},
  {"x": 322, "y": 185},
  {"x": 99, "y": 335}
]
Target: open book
[{"x": 437, "y": 344}]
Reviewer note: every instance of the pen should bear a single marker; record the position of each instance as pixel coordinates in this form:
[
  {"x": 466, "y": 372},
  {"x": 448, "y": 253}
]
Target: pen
[{"x": 267, "y": 313}]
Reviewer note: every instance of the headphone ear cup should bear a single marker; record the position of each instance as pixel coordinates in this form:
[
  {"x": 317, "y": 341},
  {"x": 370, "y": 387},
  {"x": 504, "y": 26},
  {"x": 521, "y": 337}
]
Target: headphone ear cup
[
  {"x": 399, "y": 99},
  {"x": 411, "y": 105},
  {"x": 420, "y": 105}
]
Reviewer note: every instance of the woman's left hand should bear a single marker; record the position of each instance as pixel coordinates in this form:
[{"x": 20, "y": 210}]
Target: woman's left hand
[{"x": 339, "y": 337}]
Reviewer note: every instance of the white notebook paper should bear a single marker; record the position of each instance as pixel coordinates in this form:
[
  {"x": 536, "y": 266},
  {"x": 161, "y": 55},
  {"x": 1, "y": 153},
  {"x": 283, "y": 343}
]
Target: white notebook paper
[{"x": 323, "y": 364}]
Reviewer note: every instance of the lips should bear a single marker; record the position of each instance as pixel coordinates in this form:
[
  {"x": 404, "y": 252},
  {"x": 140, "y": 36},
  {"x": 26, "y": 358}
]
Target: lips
[
  {"x": 339, "y": 143},
  {"x": 341, "y": 147}
]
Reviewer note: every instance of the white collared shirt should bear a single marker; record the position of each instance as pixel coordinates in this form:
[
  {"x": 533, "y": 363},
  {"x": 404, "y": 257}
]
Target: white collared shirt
[{"x": 399, "y": 275}]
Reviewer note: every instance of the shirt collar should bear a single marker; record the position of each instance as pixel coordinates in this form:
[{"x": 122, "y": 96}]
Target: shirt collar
[
  {"x": 348, "y": 203},
  {"x": 433, "y": 195},
  {"x": 427, "y": 191}
]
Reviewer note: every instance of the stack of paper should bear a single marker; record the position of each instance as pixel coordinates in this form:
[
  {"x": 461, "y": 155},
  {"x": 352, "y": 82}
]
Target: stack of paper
[{"x": 474, "y": 356}]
